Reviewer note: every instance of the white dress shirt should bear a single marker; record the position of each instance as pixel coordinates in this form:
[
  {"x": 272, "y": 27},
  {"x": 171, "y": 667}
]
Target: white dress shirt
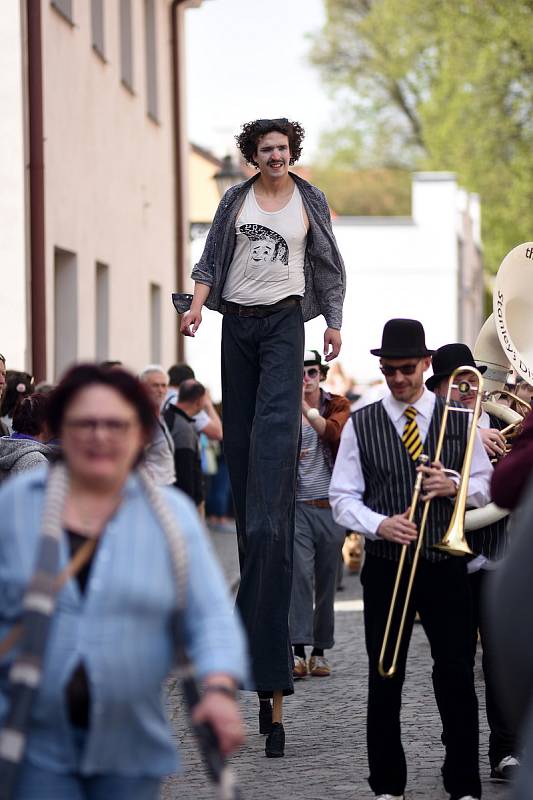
[
  {"x": 347, "y": 486},
  {"x": 481, "y": 562}
]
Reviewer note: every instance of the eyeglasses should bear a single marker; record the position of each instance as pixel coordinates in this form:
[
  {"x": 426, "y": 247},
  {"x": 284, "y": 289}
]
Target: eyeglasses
[
  {"x": 86, "y": 427},
  {"x": 311, "y": 372},
  {"x": 405, "y": 369}
]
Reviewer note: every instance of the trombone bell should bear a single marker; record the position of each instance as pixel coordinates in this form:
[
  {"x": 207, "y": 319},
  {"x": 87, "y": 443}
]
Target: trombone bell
[{"x": 453, "y": 542}]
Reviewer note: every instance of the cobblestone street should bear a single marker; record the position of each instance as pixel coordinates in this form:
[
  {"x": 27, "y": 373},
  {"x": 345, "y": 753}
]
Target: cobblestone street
[{"x": 325, "y": 724}]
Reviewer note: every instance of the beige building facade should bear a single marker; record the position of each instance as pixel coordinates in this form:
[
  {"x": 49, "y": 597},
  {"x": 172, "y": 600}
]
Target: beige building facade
[
  {"x": 111, "y": 133},
  {"x": 204, "y": 195}
]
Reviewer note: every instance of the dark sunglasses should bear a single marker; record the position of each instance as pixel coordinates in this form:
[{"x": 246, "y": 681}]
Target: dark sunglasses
[
  {"x": 405, "y": 369},
  {"x": 311, "y": 372}
]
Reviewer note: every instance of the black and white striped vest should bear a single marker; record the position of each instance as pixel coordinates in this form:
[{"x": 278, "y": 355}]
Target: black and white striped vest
[
  {"x": 389, "y": 473},
  {"x": 493, "y": 540}
]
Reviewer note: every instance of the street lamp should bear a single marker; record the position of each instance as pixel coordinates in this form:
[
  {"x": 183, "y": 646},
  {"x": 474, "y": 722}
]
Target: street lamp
[{"x": 228, "y": 175}]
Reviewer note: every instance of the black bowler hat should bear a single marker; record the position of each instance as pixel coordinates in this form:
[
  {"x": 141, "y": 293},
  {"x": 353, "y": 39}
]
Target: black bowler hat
[
  {"x": 448, "y": 358},
  {"x": 403, "y": 338}
]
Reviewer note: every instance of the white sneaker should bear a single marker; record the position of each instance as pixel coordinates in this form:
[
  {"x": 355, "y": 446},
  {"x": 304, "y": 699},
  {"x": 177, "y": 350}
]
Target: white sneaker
[
  {"x": 506, "y": 769},
  {"x": 468, "y": 797},
  {"x": 390, "y": 797}
]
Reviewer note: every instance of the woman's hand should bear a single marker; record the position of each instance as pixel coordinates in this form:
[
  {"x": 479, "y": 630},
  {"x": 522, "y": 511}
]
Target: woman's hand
[{"x": 225, "y": 717}]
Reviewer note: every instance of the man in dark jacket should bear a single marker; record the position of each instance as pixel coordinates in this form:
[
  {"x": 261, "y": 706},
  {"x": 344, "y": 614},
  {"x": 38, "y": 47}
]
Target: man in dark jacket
[
  {"x": 270, "y": 263},
  {"x": 509, "y": 604},
  {"x": 513, "y": 472},
  {"x": 180, "y": 422},
  {"x": 489, "y": 545}
]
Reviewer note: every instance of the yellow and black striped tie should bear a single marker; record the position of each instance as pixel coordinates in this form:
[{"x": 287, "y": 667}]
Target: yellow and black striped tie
[{"x": 411, "y": 434}]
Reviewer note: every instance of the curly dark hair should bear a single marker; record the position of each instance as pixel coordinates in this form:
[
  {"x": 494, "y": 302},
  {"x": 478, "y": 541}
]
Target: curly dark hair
[{"x": 251, "y": 132}]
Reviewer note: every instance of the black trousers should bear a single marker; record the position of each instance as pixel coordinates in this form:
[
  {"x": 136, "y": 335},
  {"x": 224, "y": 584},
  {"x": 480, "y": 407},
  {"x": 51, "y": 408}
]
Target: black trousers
[
  {"x": 442, "y": 597},
  {"x": 502, "y": 741},
  {"x": 262, "y": 374}
]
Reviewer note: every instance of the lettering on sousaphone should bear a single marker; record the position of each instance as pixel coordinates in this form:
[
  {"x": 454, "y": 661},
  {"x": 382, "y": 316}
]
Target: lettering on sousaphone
[
  {"x": 510, "y": 350},
  {"x": 509, "y": 286}
]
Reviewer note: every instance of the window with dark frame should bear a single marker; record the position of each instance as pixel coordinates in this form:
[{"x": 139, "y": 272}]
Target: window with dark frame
[
  {"x": 126, "y": 44},
  {"x": 155, "y": 323},
  {"x": 65, "y": 9},
  {"x": 102, "y": 312},
  {"x": 151, "y": 60},
  {"x": 66, "y": 319},
  {"x": 97, "y": 26}
]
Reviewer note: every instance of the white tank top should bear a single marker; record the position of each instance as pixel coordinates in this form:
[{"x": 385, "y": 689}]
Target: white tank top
[{"x": 268, "y": 262}]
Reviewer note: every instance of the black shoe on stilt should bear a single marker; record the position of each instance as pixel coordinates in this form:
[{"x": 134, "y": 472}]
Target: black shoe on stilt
[
  {"x": 265, "y": 717},
  {"x": 275, "y": 743}
]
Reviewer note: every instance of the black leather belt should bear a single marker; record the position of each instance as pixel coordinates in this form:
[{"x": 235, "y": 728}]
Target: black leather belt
[{"x": 260, "y": 311}]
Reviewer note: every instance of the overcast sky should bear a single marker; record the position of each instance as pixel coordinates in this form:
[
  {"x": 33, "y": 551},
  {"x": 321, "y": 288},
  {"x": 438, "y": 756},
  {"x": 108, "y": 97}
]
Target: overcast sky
[{"x": 246, "y": 59}]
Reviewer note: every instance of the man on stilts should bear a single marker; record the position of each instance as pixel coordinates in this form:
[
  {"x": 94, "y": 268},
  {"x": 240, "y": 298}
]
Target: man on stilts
[{"x": 269, "y": 264}]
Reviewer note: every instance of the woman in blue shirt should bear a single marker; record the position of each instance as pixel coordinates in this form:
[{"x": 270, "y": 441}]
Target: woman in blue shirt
[{"x": 97, "y": 727}]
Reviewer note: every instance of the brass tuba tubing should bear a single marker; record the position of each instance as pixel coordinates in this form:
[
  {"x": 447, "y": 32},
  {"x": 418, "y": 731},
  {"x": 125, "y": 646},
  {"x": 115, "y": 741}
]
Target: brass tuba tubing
[{"x": 458, "y": 544}]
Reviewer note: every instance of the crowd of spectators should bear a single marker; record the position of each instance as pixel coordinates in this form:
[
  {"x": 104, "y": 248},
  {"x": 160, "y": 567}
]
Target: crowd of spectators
[{"x": 185, "y": 450}]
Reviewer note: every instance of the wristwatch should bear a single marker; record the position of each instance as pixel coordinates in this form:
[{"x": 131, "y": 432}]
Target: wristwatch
[{"x": 221, "y": 689}]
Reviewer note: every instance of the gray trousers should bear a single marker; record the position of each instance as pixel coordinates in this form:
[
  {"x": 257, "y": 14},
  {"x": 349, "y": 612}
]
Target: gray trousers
[{"x": 317, "y": 544}]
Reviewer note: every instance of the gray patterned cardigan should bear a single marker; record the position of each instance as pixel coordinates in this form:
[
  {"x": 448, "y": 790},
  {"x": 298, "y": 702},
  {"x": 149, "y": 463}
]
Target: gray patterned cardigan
[{"x": 325, "y": 277}]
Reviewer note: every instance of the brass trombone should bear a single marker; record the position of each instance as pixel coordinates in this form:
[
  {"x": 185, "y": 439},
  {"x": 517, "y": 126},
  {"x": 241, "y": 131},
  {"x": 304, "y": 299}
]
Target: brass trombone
[{"x": 454, "y": 541}]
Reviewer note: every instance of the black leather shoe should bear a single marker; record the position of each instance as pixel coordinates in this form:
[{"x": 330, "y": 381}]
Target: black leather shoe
[
  {"x": 265, "y": 718},
  {"x": 275, "y": 743}
]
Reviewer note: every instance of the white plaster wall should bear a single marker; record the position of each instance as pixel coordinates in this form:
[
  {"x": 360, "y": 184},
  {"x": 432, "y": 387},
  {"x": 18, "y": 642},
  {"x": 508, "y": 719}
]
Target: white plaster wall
[
  {"x": 13, "y": 332},
  {"x": 402, "y": 268},
  {"x": 399, "y": 268},
  {"x": 109, "y": 178}
]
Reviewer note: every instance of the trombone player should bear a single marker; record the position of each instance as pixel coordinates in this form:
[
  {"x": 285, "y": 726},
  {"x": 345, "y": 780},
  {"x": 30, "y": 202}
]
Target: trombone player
[
  {"x": 371, "y": 491},
  {"x": 489, "y": 545}
]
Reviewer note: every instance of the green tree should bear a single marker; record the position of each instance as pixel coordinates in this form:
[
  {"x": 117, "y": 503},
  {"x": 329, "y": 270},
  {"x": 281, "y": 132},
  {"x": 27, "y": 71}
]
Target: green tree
[{"x": 439, "y": 85}]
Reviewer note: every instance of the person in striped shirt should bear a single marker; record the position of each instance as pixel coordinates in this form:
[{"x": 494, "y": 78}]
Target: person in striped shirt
[{"x": 317, "y": 538}]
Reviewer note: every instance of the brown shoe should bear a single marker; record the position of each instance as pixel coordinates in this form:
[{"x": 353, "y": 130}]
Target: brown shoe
[
  {"x": 319, "y": 667},
  {"x": 352, "y": 552},
  {"x": 300, "y": 667}
]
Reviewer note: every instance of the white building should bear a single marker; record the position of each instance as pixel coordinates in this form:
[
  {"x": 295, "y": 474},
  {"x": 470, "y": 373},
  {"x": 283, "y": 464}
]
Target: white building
[
  {"x": 427, "y": 266},
  {"x": 104, "y": 246}
]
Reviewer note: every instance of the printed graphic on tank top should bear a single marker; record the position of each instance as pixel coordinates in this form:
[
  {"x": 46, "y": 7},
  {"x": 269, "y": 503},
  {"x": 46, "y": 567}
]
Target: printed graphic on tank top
[{"x": 268, "y": 262}]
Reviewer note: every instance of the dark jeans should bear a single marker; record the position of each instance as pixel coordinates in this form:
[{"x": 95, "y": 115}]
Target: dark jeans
[
  {"x": 442, "y": 597},
  {"x": 262, "y": 373},
  {"x": 218, "y": 498},
  {"x": 40, "y": 783},
  {"x": 502, "y": 741}
]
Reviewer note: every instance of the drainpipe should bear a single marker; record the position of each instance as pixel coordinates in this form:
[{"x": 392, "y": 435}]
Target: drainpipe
[
  {"x": 180, "y": 156},
  {"x": 36, "y": 190}
]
